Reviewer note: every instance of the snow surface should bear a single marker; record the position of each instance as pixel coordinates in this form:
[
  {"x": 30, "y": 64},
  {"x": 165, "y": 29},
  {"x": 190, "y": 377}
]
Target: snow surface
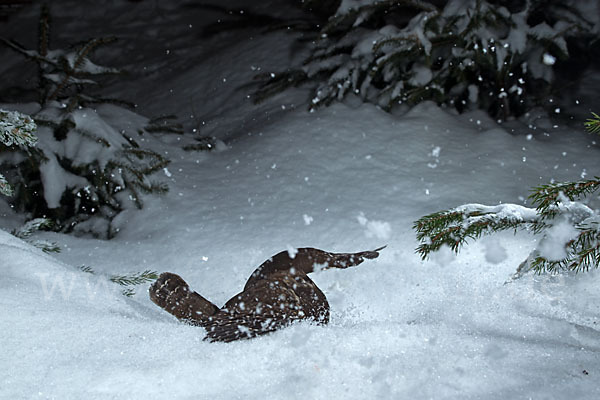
[{"x": 346, "y": 178}]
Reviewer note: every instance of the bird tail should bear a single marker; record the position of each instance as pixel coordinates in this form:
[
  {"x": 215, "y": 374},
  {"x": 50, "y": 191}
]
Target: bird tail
[{"x": 173, "y": 294}]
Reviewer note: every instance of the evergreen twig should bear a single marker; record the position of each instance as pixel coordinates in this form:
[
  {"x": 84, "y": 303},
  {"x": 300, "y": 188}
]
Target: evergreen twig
[
  {"x": 454, "y": 227},
  {"x": 593, "y": 124},
  {"x": 30, "y": 227},
  {"x": 134, "y": 279},
  {"x": 26, "y": 231},
  {"x": 546, "y": 197},
  {"x": 165, "y": 124},
  {"x": 16, "y": 129},
  {"x": 87, "y": 269},
  {"x": 205, "y": 143},
  {"x": 128, "y": 281}
]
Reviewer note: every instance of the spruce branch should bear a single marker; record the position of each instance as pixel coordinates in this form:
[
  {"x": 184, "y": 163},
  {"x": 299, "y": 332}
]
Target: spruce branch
[
  {"x": 164, "y": 124},
  {"x": 30, "y": 227},
  {"x": 128, "y": 281},
  {"x": 134, "y": 279},
  {"x": 547, "y": 197},
  {"x": 129, "y": 292},
  {"x": 81, "y": 62},
  {"x": 87, "y": 269},
  {"x": 27, "y": 230},
  {"x": 29, "y": 54},
  {"x": 593, "y": 124},
  {"x": 583, "y": 253},
  {"x": 17, "y": 129},
  {"x": 205, "y": 143},
  {"x": 78, "y": 63},
  {"x": 365, "y": 12},
  {"x": 5, "y": 188},
  {"x": 47, "y": 246},
  {"x": 87, "y": 100},
  {"x": 91, "y": 136},
  {"x": 277, "y": 83},
  {"x": 455, "y": 227}
]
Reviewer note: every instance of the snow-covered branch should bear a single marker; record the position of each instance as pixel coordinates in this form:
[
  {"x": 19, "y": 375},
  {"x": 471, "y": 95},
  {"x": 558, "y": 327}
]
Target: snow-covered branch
[
  {"x": 570, "y": 229},
  {"x": 472, "y": 52},
  {"x": 16, "y": 129}
]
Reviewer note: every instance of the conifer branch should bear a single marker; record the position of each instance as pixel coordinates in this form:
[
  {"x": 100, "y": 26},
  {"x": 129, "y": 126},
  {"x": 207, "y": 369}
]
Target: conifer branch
[
  {"x": 134, "y": 279},
  {"x": 593, "y": 124},
  {"x": 454, "y": 227},
  {"x": 85, "y": 51},
  {"x": 583, "y": 253},
  {"x": 92, "y": 136},
  {"x": 87, "y": 100},
  {"x": 165, "y": 124},
  {"x": 47, "y": 246},
  {"x": 30, "y": 227},
  {"x": 86, "y": 269},
  {"x": 129, "y": 292},
  {"x": 72, "y": 65},
  {"x": 26, "y": 231},
  {"x": 547, "y": 197},
  {"x": 128, "y": 281},
  {"x": 5, "y": 188},
  {"x": 205, "y": 143},
  {"x": 29, "y": 54},
  {"x": 277, "y": 83},
  {"x": 16, "y": 129}
]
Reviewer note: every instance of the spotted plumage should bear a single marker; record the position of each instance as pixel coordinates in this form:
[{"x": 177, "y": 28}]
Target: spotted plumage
[{"x": 277, "y": 293}]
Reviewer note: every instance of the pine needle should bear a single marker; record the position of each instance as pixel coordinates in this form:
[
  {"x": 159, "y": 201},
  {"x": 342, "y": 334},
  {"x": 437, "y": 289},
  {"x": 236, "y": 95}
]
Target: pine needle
[{"x": 593, "y": 124}]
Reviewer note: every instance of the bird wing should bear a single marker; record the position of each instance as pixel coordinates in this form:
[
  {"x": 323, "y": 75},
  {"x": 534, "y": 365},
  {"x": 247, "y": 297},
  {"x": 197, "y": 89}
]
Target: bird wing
[
  {"x": 229, "y": 327},
  {"x": 268, "y": 305}
]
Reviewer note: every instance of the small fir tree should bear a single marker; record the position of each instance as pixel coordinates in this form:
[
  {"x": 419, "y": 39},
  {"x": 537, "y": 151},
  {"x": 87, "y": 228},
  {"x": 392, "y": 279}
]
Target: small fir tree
[
  {"x": 458, "y": 52},
  {"x": 127, "y": 281},
  {"x": 570, "y": 230},
  {"x": 87, "y": 168}
]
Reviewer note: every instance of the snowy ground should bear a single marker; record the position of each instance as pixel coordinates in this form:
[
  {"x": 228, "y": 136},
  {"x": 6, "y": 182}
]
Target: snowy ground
[{"x": 346, "y": 178}]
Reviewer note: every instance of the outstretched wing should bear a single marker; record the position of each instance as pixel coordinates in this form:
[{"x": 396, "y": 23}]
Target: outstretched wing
[
  {"x": 308, "y": 260},
  {"x": 346, "y": 260}
]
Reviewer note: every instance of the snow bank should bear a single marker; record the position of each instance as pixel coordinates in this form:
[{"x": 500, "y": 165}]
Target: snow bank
[{"x": 400, "y": 328}]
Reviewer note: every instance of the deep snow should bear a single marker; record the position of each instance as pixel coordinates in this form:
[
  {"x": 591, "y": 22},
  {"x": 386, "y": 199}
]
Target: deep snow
[{"x": 346, "y": 178}]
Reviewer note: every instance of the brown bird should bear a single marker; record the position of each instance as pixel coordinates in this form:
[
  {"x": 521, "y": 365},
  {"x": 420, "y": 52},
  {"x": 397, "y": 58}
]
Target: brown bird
[{"x": 277, "y": 293}]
